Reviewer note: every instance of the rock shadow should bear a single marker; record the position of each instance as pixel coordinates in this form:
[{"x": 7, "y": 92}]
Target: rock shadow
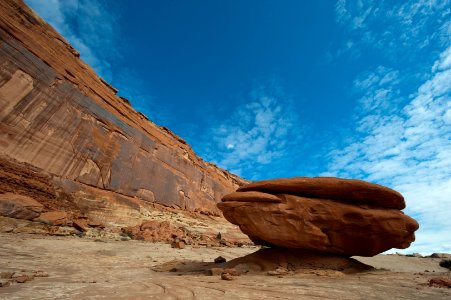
[{"x": 268, "y": 260}]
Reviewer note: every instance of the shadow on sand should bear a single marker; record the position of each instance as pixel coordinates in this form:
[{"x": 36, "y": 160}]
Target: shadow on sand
[{"x": 271, "y": 259}]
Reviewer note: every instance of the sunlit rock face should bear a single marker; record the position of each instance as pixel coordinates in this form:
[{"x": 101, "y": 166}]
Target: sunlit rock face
[
  {"x": 341, "y": 216},
  {"x": 58, "y": 118}
]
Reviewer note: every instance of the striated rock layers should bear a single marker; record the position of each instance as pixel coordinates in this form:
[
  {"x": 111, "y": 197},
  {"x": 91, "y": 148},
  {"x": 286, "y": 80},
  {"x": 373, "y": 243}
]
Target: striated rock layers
[
  {"x": 68, "y": 141},
  {"x": 341, "y": 216}
]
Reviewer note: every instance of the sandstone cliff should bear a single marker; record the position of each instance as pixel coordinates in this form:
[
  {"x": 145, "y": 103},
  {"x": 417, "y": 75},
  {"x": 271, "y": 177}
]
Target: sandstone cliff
[{"x": 70, "y": 142}]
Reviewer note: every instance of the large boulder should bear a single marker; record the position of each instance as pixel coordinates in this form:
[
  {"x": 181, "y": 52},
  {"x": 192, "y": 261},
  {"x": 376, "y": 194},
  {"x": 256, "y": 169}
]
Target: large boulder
[
  {"x": 19, "y": 206},
  {"x": 365, "y": 225}
]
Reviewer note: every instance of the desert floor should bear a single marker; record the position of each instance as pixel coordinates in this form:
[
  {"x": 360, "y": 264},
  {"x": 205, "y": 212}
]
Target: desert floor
[{"x": 83, "y": 268}]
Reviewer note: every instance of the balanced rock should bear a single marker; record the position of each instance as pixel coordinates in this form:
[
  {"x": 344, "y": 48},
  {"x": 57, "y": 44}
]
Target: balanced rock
[{"x": 340, "y": 216}]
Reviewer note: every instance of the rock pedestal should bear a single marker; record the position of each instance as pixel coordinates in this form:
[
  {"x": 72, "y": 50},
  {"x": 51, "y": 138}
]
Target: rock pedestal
[{"x": 332, "y": 215}]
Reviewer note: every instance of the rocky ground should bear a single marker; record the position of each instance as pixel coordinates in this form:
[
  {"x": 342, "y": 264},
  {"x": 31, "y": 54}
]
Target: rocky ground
[{"x": 107, "y": 268}]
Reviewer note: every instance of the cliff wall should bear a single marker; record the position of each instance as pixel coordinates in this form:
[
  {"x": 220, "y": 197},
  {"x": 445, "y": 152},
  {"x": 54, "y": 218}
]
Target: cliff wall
[{"x": 68, "y": 140}]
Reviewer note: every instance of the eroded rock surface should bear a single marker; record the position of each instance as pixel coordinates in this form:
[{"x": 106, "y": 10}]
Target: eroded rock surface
[
  {"x": 365, "y": 225},
  {"x": 347, "y": 190}
]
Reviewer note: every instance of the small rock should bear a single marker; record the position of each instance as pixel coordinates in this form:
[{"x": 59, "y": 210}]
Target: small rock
[
  {"x": 79, "y": 225},
  {"x": 6, "y": 275},
  {"x": 41, "y": 274},
  {"x": 232, "y": 272},
  {"x": 95, "y": 224},
  {"x": 22, "y": 279},
  {"x": 7, "y": 229},
  {"x": 4, "y": 283},
  {"x": 215, "y": 271},
  {"x": 178, "y": 245},
  {"x": 225, "y": 243},
  {"x": 278, "y": 271},
  {"x": 173, "y": 270},
  {"x": 80, "y": 234},
  {"x": 440, "y": 282},
  {"x": 226, "y": 276},
  {"x": 220, "y": 260}
]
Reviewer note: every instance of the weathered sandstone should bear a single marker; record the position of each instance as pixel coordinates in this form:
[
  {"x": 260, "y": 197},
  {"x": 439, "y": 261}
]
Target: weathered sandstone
[
  {"x": 333, "y": 226},
  {"x": 346, "y": 190},
  {"x": 70, "y": 142}
]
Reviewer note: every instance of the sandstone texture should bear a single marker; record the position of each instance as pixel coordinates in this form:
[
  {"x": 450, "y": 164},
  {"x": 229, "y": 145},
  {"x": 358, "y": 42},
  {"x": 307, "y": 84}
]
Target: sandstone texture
[
  {"x": 360, "y": 222},
  {"x": 347, "y": 190},
  {"x": 70, "y": 142}
]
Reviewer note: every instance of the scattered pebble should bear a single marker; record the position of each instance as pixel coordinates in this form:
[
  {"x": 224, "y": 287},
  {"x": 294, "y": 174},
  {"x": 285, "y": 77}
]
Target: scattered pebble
[
  {"x": 232, "y": 271},
  {"x": 178, "y": 244},
  {"x": 4, "y": 283},
  {"x": 277, "y": 272},
  {"x": 219, "y": 260},
  {"x": 22, "y": 279},
  {"x": 226, "y": 276},
  {"x": 40, "y": 274}
]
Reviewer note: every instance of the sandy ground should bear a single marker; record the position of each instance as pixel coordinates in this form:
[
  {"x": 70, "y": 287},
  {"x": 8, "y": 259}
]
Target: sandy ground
[{"x": 81, "y": 268}]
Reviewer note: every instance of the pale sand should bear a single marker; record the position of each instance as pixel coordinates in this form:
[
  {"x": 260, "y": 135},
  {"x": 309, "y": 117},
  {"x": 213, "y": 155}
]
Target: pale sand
[{"x": 81, "y": 268}]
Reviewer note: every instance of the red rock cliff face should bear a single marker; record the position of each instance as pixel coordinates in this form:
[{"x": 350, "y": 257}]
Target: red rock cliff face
[{"x": 64, "y": 125}]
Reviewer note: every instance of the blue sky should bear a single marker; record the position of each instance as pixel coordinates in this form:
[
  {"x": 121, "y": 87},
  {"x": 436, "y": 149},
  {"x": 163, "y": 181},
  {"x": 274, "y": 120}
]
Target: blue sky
[{"x": 266, "y": 89}]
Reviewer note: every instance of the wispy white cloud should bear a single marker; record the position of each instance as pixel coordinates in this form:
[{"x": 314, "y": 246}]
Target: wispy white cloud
[
  {"x": 402, "y": 121},
  {"x": 390, "y": 26},
  {"x": 376, "y": 86},
  {"x": 407, "y": 149},
  {"x": 257, "y": 134},
  {"x": 89, "y": 26}
]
